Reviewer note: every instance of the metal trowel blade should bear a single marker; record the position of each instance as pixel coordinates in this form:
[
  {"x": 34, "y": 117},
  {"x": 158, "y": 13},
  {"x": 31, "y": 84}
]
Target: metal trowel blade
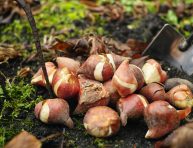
[{"x": 164, "y": 46}]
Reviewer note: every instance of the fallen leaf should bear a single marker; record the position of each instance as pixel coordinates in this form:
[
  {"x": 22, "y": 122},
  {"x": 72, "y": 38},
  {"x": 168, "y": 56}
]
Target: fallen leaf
[
  {"x": 7, "y": 52},
  {"x": 139, "y": 9},
  {"x": 97, "y": 45},
  {"x": 9, "y": 8},
  {"x": 72, "y": 46},
  {"x": 24, "y": 140},
  {"x": 23, "y": 72},
  {"x": 136, "y": 45},
  {"x": 113, "y": 11},
  {"x": 118, "y": 47}
]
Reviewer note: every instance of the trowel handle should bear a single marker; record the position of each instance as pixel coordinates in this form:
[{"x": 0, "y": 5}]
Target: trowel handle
[{"x": 187, "y": 43}]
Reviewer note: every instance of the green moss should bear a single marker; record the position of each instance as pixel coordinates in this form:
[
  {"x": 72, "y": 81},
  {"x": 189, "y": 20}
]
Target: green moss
[
  {"x": 2, "y": 137},
  {"x": 58, "y": 14},
  {"x": 55, "y": 14},
  {"x": 20, "y": 99},
  {"x": 100, "y": 143},
  {"x": 78, "y": 123},
  {"x": 9, "y": 128}
]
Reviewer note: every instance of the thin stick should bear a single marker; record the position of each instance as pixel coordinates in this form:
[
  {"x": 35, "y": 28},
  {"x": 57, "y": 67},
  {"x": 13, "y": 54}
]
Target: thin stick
[
  {"x": 32, "y": 23},
  {"x": 62, "y": 142},
  {"x": 50, "y": 137}
]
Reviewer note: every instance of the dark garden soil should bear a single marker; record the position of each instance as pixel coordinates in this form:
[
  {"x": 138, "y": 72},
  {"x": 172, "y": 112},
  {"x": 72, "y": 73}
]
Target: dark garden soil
[{"x": 130, "y": 136}]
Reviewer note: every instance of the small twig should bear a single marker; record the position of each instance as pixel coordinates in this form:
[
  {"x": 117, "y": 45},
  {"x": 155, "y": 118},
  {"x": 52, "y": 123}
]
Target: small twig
[
  {"x": 51, "y": 137},
  {"x": 32, "y": 23},
  {"x": 62, "y": 142}
]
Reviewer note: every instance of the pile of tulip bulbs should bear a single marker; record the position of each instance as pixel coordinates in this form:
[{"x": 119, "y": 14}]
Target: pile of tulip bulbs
[{"x": 110, "y": 90}]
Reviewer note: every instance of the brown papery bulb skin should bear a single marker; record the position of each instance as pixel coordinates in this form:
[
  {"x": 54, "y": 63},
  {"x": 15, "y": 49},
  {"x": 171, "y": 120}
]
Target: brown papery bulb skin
[
  {"x": 131, "y": 107},
  {"x": 39, "y": 79},
  {"x": 65, "y": 84},
  {"x": 100, "y": 67},
  {"x": 113, "y": 94},
  {"x": 92, "y": 93},
  {"x": 54, "y": 111},
  {"x": 71, "y": 64},
  {"x": 153, "y": 92},
  {"x": 162, "y": 118},
  {"x": 101, "y": 121},
  {"x": 180, "y": 96},
  {"x": 127, "y": 79},
  {"x": 153, "y": 72}
]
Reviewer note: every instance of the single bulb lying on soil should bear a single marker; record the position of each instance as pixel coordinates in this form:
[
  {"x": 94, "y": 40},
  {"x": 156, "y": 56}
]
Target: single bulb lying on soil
[
  {"x": 162, "y": 118},
  {"x": 101, "y": 121},
  {"x": 54, "y": 111},
  {"x": 172, "y": 82},
  {"x": 92, "y": 93},
  {"x": 180, "y": 96},
  {"x": 153, "y": 92},
  {"x": 100, "y": 67},
  {"x": 153, "y": 72},
  {"x": 131, "y": 107},
  {"x": 71, "y": 64},
  {"x": 39, "y": 79},
  {"x": 180, "y": 138},
  {"x": 127, "y": 79},
  {"x": 113, "y": 94},
  {"x": 65, "y": 84}
]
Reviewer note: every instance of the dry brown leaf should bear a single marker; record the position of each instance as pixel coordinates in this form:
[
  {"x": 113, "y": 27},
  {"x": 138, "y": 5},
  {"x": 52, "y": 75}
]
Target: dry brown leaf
[
  {"x": 24, "y": 140},
  {"x": 23, "y": 72},
  {"x": 139, "y": 9},
  {"x": 118, "y": 47},
  {"x": 97, "y": 45},
  {"x": 136, "y": 45},
  {"x": 7, "y": 52},
  {"x": 112, "y": 11},
  {"x": 92, "y": 6},
  {"x": 93, "y": 44},
  {"x": 9, "y": 8},
  {"x": 72, "y": 46},
  {"x": 64, "y": 46}
]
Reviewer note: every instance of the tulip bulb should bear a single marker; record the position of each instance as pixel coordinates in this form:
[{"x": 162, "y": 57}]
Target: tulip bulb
[
  {"x": 181, "y": 137},
  {"x": 101, "y": 121},
  {"x": 71, "y": 64},
  {"x": 153, "y": 72},
  {"x": 162, "y": 118},
  {"x": 113, "y": 94},
  {"x": 100, "y": 67},
  {"x": 131, "y": 107},
  {"x": 54, "y": 111},
  {"x": 153, "y": 92},
  {"x": 39, "y": 79},
  {"x": 180, "y": 96},
  {"x": 92, "y": 93},
  {"x": 65, "y": 84},
  {"x": 172, "y": 82},
  {"x": 127, "y": 79}
]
